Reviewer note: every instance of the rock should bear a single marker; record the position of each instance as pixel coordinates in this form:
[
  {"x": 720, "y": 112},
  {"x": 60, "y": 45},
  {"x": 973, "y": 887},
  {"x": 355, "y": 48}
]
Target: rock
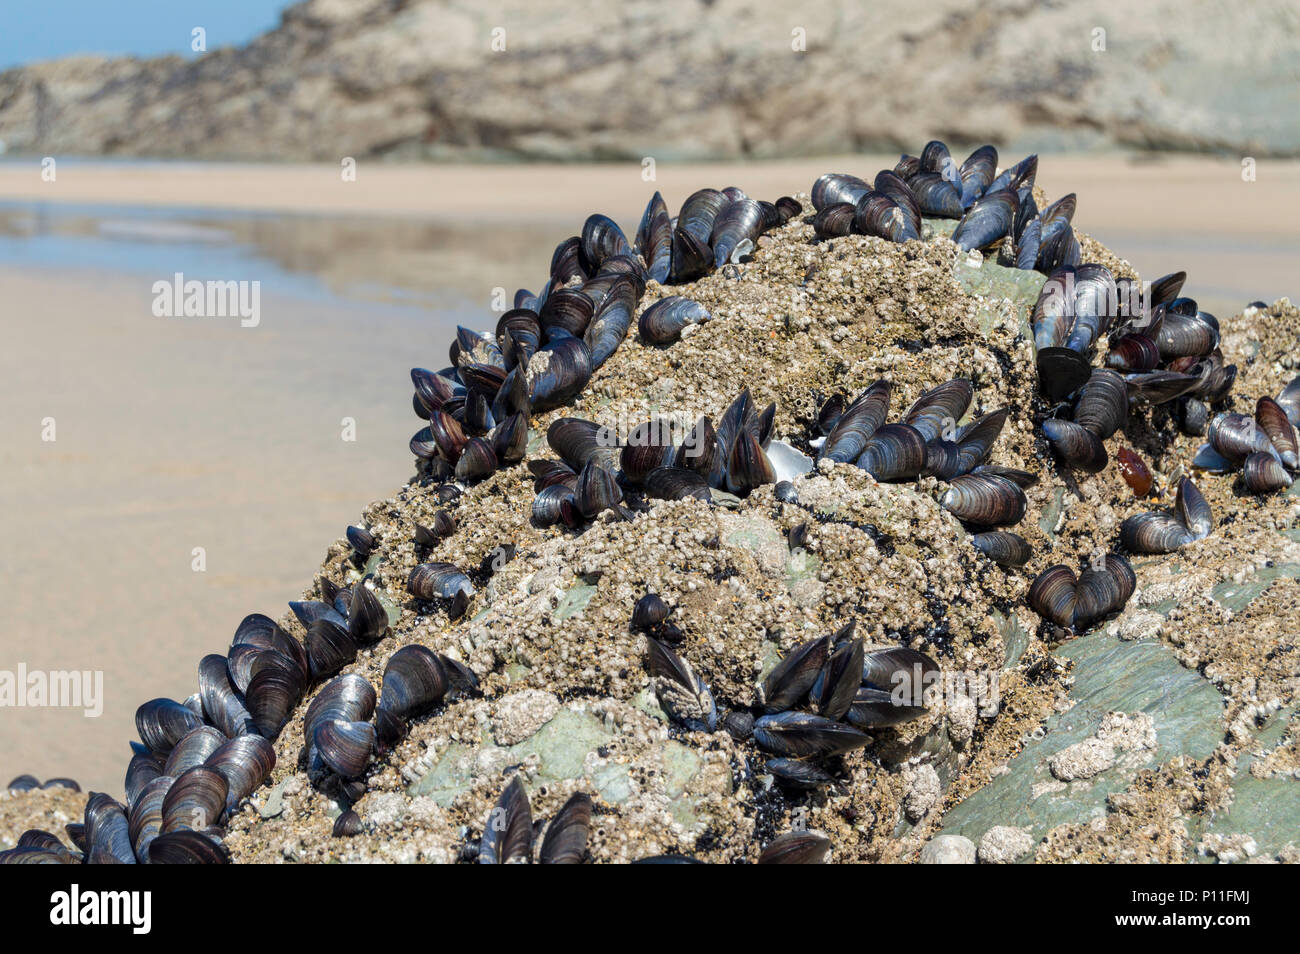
[
  {"x": 1082, "y": 760},
  {"x": 429, "y": 79},
  {"x": 1128, "y": 732},
  {"x": 961, "y": 720},
  {"x": 520, "y": 714},
  {"x": 948, "y": 850},
  {"x": 1003, "y": 845},
  {"x": 923, "y": 791}
]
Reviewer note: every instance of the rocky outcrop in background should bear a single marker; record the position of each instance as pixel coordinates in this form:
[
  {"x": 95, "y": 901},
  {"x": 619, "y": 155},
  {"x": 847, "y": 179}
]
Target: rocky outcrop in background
[{"x": 680, "y": 79}]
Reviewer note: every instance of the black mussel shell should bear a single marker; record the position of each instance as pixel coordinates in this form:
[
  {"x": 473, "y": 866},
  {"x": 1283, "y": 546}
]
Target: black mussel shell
[
  {"x": 878, "y": 214},
  {"x": 857, "y": 424},
  {"x": 362, "y": 541},
  {"x": 894, "y": 452},
  {"x": 345, "y": 747},
  {"x": 791, "y": 678},
  {"x": 477, "y": 460},
  {"x": 108, "y": 835},
  {"x": 508, "y": 835},
  {"x": 799, "y": 775},
  {"x": 1103, "y": 403},
  {"x": 414, "y": 680},
  {"x": 1193, "y": 510},
  {"x": 977, "y": 173},
  {"x": 329, "y": 648},
  {"x": 649, "y": 445},
  {"x": 186, "y": 847},
  {"x": 1021, "y": 478},
  {"x": 797, "y": 848},
  {"x": 748, "y": 466},
  {"x": 735, "y": 230},
  {"x": 788, "y": 207},
  {"x": 1155, "y": 532},
  {"x": 683, "y": 695},
  {"x": 898, "y": 668},
  {"x": 676, "y": 483},
  {"x": 1157, "y": 387},
  {"x": 987, "y": 221},
  {"x": 1061, "y": 372},
  {"x": 193, "y": 750},
  {"x": 1133, "y": 352},
  {"x": 1264, "y": 474},
  {"x": 145, "y": 819},
  {"x": 1102, "y": 590},
  {"x": 1003, "y": 547},
  {"x": 985, "y": 500},
  {"x": 1052, "y": 595},
  {"x": 565, "y": 841},
  {"x": 164, "y": 722},
  {"x": 556, "y": 504},
  {"x": 612, "y": 319},
  {"x": 803, "y": 735},
  {"x": 558, "y": 372},
  {"x": 367, "y": 618},
  {"x": 942, "y": 460},
  {"x": 197, "y": 799},
  {"x": 836, "y": 684},
  {"x": 1076, "y": 446},
  {"x": 347, "y": 824},
  {"x": 936, "y": 196},
  {"x": 837, "y": 187},
  {"x": 273, "y": 692},
  {"x": 654, "y": 239},
  {"x": 975, "y": 441},
  {"x": 834, "y": 220},
  {"x": 597, "y": 490},
  {"x": 601, "y": 239},
  {"x": 739, "y": 725},
  {"x": 650, "y": 611},
  {"x": 245, "y": 763},
  {"x": 1236, "y": 437},
  {"x": 223, "y": 704},
  {"x": 1182, "y": 335},
  {"x": 874, "y": 708},
  {"x": 1273, "y": 421},
  {"x": 1193, "y": 415},
  {"x": 438, "y": 581},
  {"x": 578, "y": 441},
  {"x": 349, "y": 698},
  {"x": 936, "y": 412}
]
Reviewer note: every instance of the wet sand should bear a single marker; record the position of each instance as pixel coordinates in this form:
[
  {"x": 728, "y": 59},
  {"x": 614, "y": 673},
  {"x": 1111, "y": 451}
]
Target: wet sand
[
  {"x": 1162, "y": 212},
  {"x": 179, "y": 434}
]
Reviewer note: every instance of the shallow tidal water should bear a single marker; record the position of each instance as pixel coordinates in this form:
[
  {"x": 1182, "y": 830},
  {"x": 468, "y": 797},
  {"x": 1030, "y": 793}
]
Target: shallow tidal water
[{"x": 172, "y": 434}]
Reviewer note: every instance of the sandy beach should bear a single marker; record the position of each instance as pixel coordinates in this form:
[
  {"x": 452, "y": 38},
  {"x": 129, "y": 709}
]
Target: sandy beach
[{"x": 173, "y": 435}]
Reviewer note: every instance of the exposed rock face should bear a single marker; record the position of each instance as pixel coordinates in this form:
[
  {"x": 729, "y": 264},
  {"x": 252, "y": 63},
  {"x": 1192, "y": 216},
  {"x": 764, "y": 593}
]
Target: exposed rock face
[{"x": 682, "y": 79}]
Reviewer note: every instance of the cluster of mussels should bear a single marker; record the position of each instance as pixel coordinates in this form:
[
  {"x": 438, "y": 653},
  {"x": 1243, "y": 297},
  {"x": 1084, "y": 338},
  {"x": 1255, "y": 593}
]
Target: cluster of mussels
[
  {"x": 1161, "y": 348},
  {"x": 545, "y": 349},
  {"x": 994, "y": 210},
  {"x": 596, "y": 467},
  {"x": 199, "y": 759},
  {"x": 929, "y": 442},
  {"x": 1263, "y": 448},
  {"x": 848, "y": 686}
]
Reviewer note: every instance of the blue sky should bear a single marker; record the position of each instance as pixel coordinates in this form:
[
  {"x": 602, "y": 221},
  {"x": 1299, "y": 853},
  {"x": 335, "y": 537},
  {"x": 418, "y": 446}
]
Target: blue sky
[{"x": 47, "y": 29}]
